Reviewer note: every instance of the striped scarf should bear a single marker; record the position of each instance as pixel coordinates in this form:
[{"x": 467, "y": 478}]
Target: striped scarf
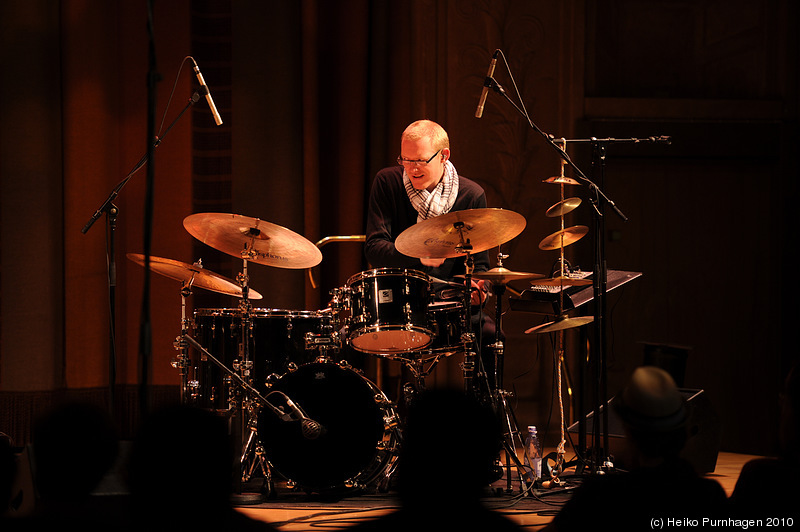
[{"x": 440, "y": 201}]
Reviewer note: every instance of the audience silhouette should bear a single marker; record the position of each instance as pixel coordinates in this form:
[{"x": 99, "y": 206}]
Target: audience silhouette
[
  {"x": 659, "y": 484},
  {"x": 73, "y": 447},
  {"x": 767, "y": 487},
  {"x": 181, "y": 474},
  {"x": 446, "y": 463},
  {"x": 8, "y": 474}
]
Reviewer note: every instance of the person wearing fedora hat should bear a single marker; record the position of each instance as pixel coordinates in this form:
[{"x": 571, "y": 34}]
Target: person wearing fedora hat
[{"x": 659, "y": 483}]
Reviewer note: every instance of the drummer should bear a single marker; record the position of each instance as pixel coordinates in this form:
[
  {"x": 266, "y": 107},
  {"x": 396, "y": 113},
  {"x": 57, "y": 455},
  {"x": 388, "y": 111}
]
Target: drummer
[{"x": 423, "y": 185}]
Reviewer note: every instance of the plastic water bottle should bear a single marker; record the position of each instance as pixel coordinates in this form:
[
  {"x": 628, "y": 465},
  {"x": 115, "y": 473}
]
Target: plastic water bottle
[{"x": 533, "y": 455}]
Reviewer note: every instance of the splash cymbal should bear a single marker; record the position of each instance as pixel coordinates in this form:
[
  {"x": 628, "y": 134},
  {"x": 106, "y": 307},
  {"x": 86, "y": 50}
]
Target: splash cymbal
[
  {"x": 457, "y": 233},
  {"x": 194, "y": 275},
  {"x": 253, "y": 239},
  {"x": 561, "y": 324},
  {"x": 563, "y": 207},
  {"x": 561, "y": 180},
  {"x": 564, "y": 238}
]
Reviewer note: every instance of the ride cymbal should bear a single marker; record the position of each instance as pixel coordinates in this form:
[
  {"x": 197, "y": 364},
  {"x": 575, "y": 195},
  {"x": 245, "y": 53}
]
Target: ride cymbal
[
  {"x": 457, "y": 233},
  {"x": 193, "y": 275},
  {"x": 564, "y": 238},
  {"x": 253, "y": 239}
]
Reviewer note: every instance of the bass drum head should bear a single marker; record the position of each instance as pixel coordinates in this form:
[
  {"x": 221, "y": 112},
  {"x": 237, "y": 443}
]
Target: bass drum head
[{"x": 354, "y": 445}]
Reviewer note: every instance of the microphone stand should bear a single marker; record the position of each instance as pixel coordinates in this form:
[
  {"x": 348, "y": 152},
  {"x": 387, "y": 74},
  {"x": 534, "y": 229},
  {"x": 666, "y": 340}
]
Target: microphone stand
[
  {"x": 599, "y": 201},
  {"x": 112, "y": 212}
]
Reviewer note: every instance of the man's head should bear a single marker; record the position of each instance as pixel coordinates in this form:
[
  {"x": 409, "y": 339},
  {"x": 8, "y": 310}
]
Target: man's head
[
  {"x": 653, "y": 412},
  {"x": 424, "y": 149}
]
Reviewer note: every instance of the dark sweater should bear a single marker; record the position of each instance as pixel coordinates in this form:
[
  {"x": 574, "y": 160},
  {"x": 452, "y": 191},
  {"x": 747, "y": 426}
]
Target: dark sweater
[{"x": 390, "y": 213}]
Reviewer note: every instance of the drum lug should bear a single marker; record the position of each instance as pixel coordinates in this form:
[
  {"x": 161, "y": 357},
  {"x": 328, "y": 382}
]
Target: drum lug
[
  {"x": 391, "y": 422},
  {"x": 271, "y": 380}
]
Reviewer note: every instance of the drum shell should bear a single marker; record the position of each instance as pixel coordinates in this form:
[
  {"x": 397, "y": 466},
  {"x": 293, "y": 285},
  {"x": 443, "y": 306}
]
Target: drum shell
[
  {"x": 272, "y": 340},
  {"x": 359, "y": 437},
  {"x": 388, "y": 311},
  {"x": 446, "y": 320}
]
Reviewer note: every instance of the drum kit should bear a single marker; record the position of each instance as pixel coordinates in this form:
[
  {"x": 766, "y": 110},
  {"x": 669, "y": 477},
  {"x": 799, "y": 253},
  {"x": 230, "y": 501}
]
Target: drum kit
[{"x": 304, "y": 414}]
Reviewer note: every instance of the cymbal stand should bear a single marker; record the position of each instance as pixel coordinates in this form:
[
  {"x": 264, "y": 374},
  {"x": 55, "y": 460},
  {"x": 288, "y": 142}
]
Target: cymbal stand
[
  {"x": 500, "y": 396},
  {"x": 560, "y": 450},
  {"x": 468, "y": 337},
  {"x": 246, "y": 420},
  {"x": 182, "y": 361}
]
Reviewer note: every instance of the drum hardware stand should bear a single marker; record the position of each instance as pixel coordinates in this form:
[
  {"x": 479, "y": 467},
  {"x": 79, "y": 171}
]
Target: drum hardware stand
[
  {"x": 253, "y": 399},
  {"x": 468, "y": 337},
  {"x": 600, "y": 460},
  {"x": 189, "y": 388},
  {"x": 500, "y": 396},
  {"x": 417, "y": 369}
]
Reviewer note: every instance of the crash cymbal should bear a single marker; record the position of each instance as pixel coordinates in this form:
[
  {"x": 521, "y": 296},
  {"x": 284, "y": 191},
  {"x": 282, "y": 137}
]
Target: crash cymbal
[
  {"x": 561, "y": 180},
  {"x": 561, "y": 324},
  {"x": 253, "y": 239},
  {"x": 502, "y": 275},
  {"x": 561, "y": 281},
  {"x": 196, "y": 275},
  {"x": 563, "y": 207},
  {"x": 564, "y": 237},
  {"x": 457, "y": 233}
]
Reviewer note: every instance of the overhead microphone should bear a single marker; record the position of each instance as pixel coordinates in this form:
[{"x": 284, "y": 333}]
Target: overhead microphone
[
  {"x": 204, "y": 90},
  {"x": 486, "y": 84}
]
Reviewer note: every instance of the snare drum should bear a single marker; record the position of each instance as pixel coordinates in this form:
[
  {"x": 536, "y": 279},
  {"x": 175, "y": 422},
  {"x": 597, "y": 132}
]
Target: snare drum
[
  {"x": 389, "y": 311},
  {"x": 357, "y": 443}
]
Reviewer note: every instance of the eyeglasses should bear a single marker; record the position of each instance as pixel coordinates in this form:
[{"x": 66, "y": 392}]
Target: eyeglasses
[{"x": 416, "y": 162}]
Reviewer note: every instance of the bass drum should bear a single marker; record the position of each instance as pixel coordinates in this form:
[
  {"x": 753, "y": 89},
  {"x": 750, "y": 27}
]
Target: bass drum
[{"x": 357, "y": 444}]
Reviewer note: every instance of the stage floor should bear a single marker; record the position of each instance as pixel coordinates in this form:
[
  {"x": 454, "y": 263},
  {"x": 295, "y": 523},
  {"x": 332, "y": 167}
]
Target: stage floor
[{"x": 292, "y": 511}]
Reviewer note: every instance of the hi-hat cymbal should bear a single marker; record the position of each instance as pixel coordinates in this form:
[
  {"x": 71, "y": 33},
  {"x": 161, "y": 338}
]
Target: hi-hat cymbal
[
  {"x": 196, "y": 275},
  {"x": 457, "y": 233},
  {"x": 563, "y": 207},
  {"x": 502, "y": 275},
  {"x": 564, "y": 237},
  {"x": 253, "y": 239},
  {"x": 561, "y": 324},
  {"x": 561, "y": 180},
  {"x": 561, "y": 281}
]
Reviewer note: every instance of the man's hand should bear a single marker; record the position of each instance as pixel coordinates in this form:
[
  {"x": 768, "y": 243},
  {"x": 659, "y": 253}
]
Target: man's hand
[
  {"x": 479, "y": 295},
  {"x": 434, "y": 263}
]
